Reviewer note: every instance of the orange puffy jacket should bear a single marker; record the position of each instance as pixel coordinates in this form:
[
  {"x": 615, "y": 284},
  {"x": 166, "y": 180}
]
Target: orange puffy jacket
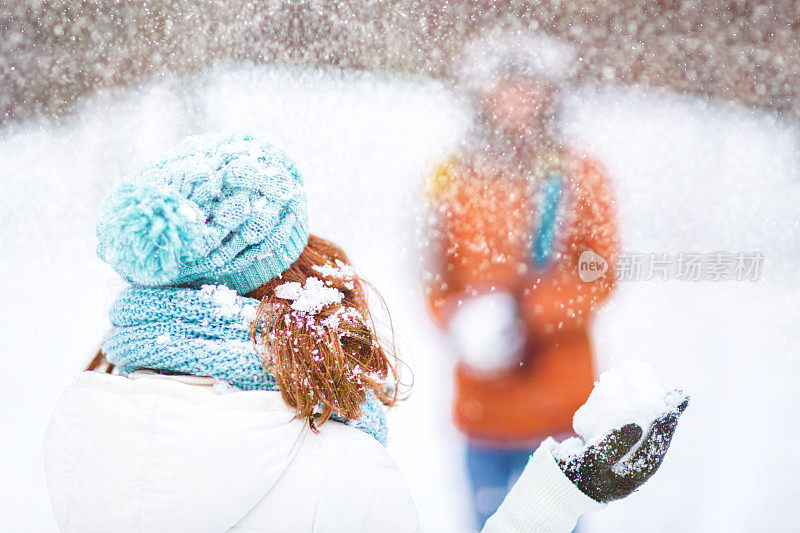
[{"x": 484, "y": 226}]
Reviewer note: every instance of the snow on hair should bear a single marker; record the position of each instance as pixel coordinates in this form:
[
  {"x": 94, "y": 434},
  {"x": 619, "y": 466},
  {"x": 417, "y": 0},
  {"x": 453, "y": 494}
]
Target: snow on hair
[{"x": 324, "y": 353}]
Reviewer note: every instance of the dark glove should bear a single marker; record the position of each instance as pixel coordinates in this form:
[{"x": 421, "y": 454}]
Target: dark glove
[{"x": 600, "y": 474}]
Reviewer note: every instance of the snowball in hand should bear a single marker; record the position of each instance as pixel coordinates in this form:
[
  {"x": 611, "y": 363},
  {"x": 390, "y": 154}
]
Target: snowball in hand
[
  {"x": 486, "y": 332},
  {"x": 632, "y": 392}
]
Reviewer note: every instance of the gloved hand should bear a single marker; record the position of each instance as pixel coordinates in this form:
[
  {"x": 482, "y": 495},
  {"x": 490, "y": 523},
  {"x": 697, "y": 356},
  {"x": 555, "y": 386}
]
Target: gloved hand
[
  {"x": 487, "y": 332},
  {"x": 606, "y": 471}
]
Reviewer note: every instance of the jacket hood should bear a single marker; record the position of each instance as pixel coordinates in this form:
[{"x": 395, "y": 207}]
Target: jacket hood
[{"x": 163, "y": 453}]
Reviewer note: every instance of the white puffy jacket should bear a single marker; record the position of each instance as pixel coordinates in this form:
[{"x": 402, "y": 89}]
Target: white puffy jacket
[{"x": 156, "y": 453}]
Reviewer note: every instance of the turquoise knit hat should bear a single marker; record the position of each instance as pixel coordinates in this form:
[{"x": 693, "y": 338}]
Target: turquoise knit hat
[{"x": 218, "y": 209}]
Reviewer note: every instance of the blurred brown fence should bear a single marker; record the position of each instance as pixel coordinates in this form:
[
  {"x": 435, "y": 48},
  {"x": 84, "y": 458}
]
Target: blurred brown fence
[{"x": 53, "y": 51}]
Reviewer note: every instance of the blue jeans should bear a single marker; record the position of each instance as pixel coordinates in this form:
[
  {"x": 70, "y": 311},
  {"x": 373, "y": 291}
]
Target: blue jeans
[{"x": 492, "y": 471}]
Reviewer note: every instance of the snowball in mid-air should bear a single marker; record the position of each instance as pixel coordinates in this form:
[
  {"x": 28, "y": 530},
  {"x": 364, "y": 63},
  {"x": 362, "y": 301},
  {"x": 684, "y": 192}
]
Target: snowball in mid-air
[{"x": 630, "y": 393}]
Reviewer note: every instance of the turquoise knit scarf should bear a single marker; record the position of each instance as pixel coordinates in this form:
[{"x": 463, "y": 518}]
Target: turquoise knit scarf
[{"x": 203, "y": 332}]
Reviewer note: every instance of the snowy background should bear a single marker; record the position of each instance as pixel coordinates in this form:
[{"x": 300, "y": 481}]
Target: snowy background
[{"x": 689, "y": 175}]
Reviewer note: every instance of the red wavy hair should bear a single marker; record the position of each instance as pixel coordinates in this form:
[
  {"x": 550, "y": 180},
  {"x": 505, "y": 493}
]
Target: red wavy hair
[{"x": 327, "y": 362}]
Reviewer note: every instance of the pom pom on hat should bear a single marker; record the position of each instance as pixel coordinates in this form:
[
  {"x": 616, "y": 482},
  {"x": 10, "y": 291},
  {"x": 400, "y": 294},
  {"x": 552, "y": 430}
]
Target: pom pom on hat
[{"x": 148, "y": 232}]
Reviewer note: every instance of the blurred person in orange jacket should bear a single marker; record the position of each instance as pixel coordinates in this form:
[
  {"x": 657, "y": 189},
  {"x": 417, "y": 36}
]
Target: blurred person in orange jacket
[{"x": 515, "y": 215}]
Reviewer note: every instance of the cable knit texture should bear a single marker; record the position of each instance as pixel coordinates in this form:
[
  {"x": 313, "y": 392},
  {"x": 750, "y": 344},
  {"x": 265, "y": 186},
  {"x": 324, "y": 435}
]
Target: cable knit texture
[
  {"x": 217, "y": 209},
  {"x": 203, "y": 332}
]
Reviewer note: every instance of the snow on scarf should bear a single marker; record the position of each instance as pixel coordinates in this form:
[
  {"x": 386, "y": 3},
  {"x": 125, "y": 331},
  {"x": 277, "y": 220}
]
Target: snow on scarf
[{"x": 203, "y": 332}]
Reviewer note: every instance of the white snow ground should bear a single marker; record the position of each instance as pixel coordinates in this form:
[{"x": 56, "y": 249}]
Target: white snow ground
[{"x": 689, "y": 175}]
